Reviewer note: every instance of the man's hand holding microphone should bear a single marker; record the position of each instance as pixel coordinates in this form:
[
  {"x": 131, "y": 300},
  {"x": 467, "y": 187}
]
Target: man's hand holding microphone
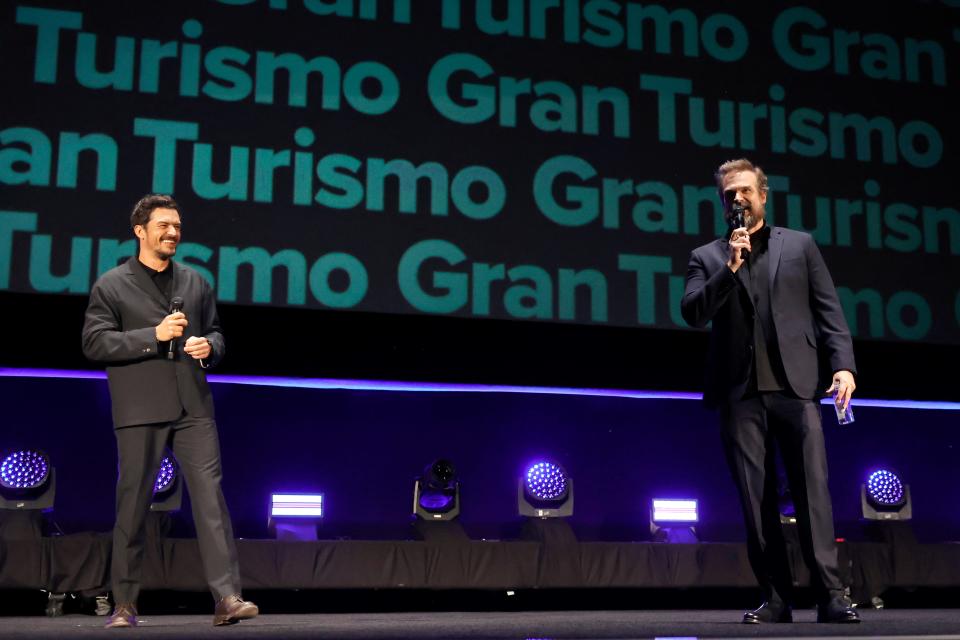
[
  {"x": 172, "y": 327},
  {"x": 739, "y": 242}
]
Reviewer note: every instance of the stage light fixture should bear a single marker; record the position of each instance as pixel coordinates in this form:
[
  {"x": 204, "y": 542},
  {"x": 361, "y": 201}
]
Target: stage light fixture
[
  {"x": 788, "y": 510},
  {"x": 545, "y": 491},
  {"x": 295, "y": 516},
  {"x": 884, "y": 496},
  {"x": 166, "y": 475},
  {"x": 27, "y": 481},
  {"x": 168, "y": 486},
  {"x": 436, "y": 504},
  {"x": 436, "y": 493},
  {"x": 674, "y": 521}
]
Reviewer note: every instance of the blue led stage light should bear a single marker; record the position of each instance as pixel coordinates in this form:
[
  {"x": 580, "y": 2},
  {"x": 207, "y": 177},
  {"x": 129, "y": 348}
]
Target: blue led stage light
[
  {"x": 674, "y": 520},
  {"x": 436, "y": 493},
  {"x": 295, "y": 516},
  {"x": 884, "y": 496},
  {"x": 167, "y": 486},
  {"x": 27, "y": 480},
  {"x": 166, "y": 475},
  {"x": 545, "y": 491},
  {"x": 546, "y": 481},
  {"x": 24, "y": 469},
  {"x": 885, "y": 488}
]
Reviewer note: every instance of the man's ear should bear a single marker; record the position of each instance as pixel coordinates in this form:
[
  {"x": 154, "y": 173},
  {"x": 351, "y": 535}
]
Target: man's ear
[{"x": 139, "y": 231}]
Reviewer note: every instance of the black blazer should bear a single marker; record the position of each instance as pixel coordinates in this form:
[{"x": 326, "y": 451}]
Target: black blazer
[
  {"x": 806, "y": 313},
  {"x": 118, "y": 329}
]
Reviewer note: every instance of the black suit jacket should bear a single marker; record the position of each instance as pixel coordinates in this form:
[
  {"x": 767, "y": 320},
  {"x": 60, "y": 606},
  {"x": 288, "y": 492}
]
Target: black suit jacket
[
  {"x": 145, "y": 387},
  {"x": 806, "y": 313}
]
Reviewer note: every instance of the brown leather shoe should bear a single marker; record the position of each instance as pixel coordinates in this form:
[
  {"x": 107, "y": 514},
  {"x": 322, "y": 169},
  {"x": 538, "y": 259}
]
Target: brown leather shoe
[
  {"x": 124, "y": 615},
  {"x": 233, "y": 609}
]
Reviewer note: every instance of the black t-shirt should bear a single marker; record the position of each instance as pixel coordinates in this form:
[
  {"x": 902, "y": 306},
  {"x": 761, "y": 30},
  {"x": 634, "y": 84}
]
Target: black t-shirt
[{"x": 162, "y": 279}]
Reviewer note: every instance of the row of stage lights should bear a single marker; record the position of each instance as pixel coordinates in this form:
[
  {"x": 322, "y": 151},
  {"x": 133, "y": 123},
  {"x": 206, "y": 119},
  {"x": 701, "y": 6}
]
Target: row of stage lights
[{"x": 28, "y": 482}]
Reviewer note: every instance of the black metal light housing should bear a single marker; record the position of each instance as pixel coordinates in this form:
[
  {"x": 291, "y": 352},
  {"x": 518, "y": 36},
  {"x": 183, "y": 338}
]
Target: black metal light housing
[{"x": 436, "y": 493}]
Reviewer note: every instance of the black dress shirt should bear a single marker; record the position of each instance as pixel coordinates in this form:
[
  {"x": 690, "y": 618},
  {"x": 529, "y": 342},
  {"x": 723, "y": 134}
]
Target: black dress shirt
[{"x": 768, "y": 373}]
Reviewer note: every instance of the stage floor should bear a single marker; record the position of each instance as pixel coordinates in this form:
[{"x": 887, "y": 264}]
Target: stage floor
[{"x": 913, "y": 623}]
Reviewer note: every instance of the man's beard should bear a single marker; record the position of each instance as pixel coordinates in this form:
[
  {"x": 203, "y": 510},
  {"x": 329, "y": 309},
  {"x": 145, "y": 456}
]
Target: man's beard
[
  {"x": 751, "y": 217},
  {"x": 165, "y": 253}
]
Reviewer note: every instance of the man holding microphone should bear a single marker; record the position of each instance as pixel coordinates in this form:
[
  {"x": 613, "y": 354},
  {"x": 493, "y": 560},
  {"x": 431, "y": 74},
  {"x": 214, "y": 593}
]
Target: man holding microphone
[
  {"x": 774, "y": 313},
  {"x": 154, "y": 323}
]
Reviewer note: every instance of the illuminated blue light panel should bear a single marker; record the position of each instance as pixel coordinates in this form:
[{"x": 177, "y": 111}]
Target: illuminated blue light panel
[
  {"x": 296, "y": 505},
  {"x": 666, "y": 511}
]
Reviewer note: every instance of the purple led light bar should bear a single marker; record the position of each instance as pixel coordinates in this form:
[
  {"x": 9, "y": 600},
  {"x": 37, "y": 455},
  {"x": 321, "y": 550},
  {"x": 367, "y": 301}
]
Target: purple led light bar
[{"x": 396, "y": 385}]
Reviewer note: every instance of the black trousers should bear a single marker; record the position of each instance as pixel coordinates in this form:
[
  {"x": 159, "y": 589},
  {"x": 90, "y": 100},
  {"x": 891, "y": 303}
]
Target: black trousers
[
  {"x": 752, "y": 430},
  {"x": 197, "y": 448}
]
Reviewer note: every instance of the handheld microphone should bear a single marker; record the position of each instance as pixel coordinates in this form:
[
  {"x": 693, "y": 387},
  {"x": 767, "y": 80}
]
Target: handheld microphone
[
  {"x": 737, "y": 221},
  {"x": 176, "y": 305}
]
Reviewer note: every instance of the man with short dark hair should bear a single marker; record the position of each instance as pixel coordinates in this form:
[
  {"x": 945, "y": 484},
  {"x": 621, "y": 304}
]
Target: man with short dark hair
[
  {"x": 156, "y": 354},
  {"x": 774, "y": 313}
]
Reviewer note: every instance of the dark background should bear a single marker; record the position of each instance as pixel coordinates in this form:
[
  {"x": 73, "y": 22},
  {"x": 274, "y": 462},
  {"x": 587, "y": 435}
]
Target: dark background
[{"x": 295, "y": 342}]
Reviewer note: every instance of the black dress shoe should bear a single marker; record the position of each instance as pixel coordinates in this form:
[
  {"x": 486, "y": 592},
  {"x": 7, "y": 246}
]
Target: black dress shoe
[
  {"x": 837, "y": 610},
  {"x": 768, "y": 612}
]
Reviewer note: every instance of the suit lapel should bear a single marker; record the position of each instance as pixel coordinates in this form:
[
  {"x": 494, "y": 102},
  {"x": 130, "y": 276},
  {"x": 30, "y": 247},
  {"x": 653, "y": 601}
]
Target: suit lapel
[
  {"x": 142, "y": 280},
  {"x": 175, "y": 284},
  {"x": 775, "y": 247}
]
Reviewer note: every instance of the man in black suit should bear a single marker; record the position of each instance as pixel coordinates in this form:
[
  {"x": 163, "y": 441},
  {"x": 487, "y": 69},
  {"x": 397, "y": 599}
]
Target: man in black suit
[
  {"x": 775, "y": 314},
  {"x": 156, "y": 357}
]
